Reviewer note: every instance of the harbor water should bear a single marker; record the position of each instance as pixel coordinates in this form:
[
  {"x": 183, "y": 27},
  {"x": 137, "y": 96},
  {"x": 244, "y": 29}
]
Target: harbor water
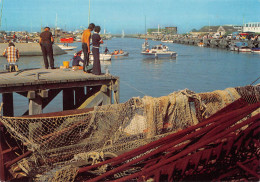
[{"x": 196, "y": 68}]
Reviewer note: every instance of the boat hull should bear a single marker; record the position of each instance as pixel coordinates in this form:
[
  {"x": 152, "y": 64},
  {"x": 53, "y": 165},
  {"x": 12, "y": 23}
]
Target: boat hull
[
  {"x": 102, "y": 57},
  {"x": 124, "y": 54},
  {"x": 166, "y": 54}
]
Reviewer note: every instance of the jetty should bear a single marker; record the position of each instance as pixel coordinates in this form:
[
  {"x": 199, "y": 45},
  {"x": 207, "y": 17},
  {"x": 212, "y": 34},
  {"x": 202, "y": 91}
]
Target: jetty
[
  {"x": 31, "y": 49},
  {"x": 40, "y": 86},
  {"x": 211, "y": 42}
]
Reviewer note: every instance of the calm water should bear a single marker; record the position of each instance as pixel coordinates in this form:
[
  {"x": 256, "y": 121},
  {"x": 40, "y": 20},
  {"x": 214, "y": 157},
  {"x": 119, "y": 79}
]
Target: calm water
[{"x": 196, "y": 68}]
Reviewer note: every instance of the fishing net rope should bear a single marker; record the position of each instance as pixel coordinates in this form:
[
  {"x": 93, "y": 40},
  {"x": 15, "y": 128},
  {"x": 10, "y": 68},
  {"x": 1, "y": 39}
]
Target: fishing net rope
[{"x": 110, "y": 130}]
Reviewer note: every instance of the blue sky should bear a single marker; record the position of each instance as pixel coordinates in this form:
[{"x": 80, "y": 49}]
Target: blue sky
[{"x": 127, "y": 15}]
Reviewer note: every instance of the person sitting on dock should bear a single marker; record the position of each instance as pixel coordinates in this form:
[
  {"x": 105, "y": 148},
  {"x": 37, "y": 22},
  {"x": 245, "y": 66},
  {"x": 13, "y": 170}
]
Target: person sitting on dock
[
  {"x": 12, "y": 55},
  {"x": 77, "y": 61}
]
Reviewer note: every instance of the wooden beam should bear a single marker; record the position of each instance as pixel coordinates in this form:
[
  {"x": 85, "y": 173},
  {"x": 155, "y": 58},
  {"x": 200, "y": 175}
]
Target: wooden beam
[
  {"x": 94, "y": 100},
  {"x": 8, "y": 105},
  {"x": 51, "y": 95},
  {"x": 68, "y": 99},
  {"x": 79, "y": 95}
]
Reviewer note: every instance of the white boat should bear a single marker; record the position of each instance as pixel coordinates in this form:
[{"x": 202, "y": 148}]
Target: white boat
[
  {"x": 255, "y": 50},
  {"x": 240, "y": 47},
  {"x": 102, "y": 57},
  {"x": 159, "y": 51},
  {"x": 66, "y": 47}
]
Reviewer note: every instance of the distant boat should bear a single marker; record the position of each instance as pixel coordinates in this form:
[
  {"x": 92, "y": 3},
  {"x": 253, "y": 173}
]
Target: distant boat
[
  {"x": 240, "y": 47},
  {"x": 256, "y": 50},
  {"x": 66, "y": 42},
  {"x": 167, "y": 41},
  {"x": 201, "y": 44},
  {"x": 66, "y": 47},
  {"x": 120, "y": 54},
  {"x": 159, "y": 51},
  {"x": 102, "y": 57}
]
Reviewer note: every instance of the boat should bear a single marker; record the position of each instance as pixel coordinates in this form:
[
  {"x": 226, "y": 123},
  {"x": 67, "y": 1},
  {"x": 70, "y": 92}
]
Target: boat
[
  {"x": 201, "y": 44},
  {"x": 66, "y": 47},
  {"x": 167, "y": 41},
  {"x": 240, "y": 47},
  {"x": 102, "y": 56},
  {"x": 120, "y": 54},
  {"x": 159, "y": 51},
  {"x": 255, "y": 50}
]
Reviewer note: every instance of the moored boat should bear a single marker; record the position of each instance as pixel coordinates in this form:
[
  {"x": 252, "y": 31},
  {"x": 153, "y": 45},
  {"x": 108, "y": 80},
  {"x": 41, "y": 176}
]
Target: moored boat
[
  {"x": 159, "y": 51},
  {"x": 102, "y": 56},
  {"x": 240, "y": 47},
  {"x": 200, "y": 44},
  {"x": 66, "y": 47},
  {"x": 255, "y": 50}
]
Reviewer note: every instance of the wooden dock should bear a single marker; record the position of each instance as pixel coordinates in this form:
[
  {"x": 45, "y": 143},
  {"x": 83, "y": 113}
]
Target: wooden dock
[{"x": 80, "y": 90}]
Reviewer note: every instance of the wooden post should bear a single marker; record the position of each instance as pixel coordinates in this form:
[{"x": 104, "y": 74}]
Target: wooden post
[
  {"x": 35, "y": 105},
  {"x": 79, "y": 95},
  {"x": 68, "y": 99},
  {"x": 8, "y": 105},
  {"x": 106, "y": 95}
]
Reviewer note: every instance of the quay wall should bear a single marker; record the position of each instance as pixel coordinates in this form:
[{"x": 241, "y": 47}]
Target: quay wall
[
  {"x": 30, "y": 49},
  {"x": 214, "y": 43},
  {"x": 208, "y": 42}
]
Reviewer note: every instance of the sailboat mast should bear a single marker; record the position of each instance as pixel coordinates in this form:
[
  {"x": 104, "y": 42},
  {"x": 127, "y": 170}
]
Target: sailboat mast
[
  {"x": 1, "y": 14},
  {"x": 89, "y": 13},
  {"x": 145, "y": 26}
]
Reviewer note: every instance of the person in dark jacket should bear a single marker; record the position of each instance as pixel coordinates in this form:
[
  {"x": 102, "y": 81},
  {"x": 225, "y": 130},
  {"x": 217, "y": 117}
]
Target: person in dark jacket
[
  {"x": 77, "y": 61},
  {"x": 46, "y": 41},
  {"x": 96, "y": 41}
]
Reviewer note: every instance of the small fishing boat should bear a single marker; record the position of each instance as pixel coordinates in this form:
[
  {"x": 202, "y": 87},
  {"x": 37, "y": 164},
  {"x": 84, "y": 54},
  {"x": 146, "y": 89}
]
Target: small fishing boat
[
  {"x": 159, "y": 51},
  {"x": 255, "y": 50},
  {"x": 66, "y": 47},
  {"x": 120, "y": 54},
  {"x": 201, "y": 44},
  {"x": 102, "y": 56}
]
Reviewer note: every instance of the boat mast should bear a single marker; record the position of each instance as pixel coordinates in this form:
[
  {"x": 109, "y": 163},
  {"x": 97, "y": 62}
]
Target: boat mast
[
  {"x": 145, "y": 26},
  {"x": 1, "y": 14},
  {"x": 89, "y": 13}
]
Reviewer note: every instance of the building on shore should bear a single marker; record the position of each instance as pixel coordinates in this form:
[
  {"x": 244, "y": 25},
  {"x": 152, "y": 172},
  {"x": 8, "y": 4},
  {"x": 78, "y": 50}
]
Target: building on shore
[
  {"x": 221, "y": 30},
  {"x": 253, "y": 27},
  {"x": 166, "y": 30}
]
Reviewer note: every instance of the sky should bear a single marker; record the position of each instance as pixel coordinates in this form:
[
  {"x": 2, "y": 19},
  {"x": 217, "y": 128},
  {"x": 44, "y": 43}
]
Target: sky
[{"x": 132, "y": 16}]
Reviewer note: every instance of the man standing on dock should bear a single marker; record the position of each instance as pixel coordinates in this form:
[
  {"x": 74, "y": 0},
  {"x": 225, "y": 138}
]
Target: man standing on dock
[
  {"x": 46, "y": 41},
  {"x": 12, "y": 55},
  {"x": 85, "y": 39}
]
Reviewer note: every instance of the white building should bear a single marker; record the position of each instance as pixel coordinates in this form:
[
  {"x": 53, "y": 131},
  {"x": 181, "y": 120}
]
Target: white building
[{"x": 252, "y": 27}]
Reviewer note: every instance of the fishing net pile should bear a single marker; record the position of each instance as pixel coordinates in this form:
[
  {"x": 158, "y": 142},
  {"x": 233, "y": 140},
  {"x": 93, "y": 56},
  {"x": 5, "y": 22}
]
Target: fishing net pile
[{"x": 60, "y": 144}]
